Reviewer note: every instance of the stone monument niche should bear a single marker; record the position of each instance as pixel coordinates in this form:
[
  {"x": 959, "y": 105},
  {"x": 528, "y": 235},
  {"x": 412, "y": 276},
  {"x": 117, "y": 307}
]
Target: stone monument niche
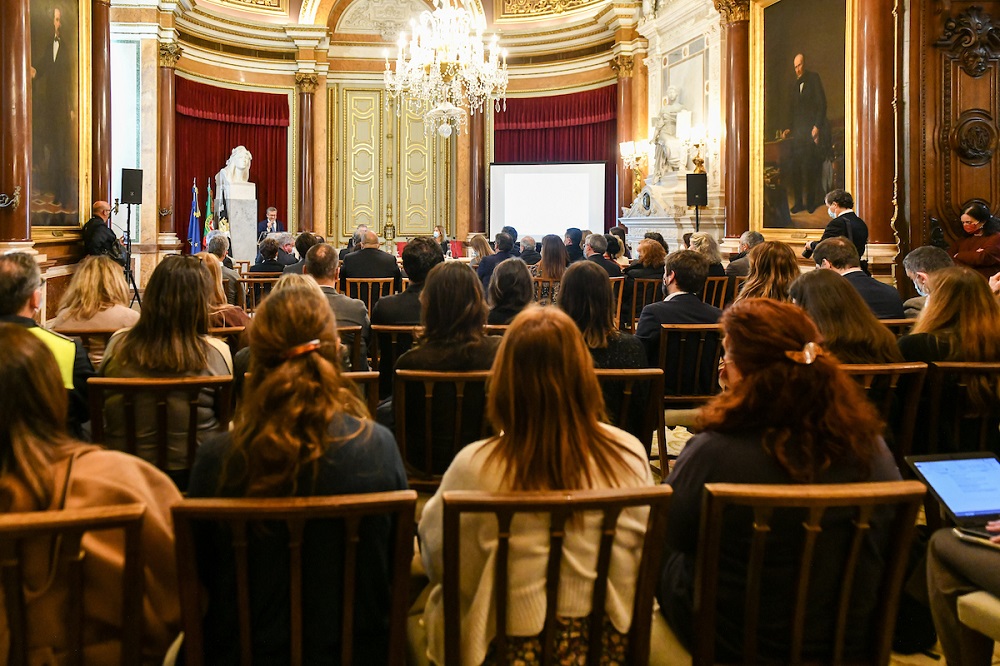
[{"x": 233, "y": 182}]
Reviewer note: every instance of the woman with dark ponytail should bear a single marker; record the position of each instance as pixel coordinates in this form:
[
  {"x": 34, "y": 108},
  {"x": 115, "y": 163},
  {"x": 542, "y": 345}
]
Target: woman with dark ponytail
[
  {"x": 299, "y": 431},
  {"x": 980, "y": 248}
]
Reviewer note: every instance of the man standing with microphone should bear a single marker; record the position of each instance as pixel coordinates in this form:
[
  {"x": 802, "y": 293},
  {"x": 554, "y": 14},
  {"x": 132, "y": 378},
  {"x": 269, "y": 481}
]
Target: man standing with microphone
[{"x": 270, "y": 224}]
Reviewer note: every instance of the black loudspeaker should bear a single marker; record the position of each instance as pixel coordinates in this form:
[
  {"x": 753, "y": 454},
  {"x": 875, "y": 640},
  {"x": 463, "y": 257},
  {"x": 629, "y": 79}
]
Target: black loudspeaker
[
  {"x": 697, "y": 189},
  {"x": 131, "y": 186}
]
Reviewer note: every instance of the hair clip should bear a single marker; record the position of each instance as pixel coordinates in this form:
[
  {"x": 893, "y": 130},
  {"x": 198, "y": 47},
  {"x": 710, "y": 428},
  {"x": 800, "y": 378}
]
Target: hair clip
[
  {"x": 810, "y": 352},
  {"x": 304, "y": 348}
]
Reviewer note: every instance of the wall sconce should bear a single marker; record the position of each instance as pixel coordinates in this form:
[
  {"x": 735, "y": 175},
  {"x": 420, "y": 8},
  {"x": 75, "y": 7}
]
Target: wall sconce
[{"x": 634, "y": 153}]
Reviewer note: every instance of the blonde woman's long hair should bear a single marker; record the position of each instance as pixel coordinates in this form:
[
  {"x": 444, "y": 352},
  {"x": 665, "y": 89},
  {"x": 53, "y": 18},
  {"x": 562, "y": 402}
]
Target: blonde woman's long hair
[
  {"x": 97, "y": 285},
  {"x": 705, "y": 245},
  {"x": 216, "y": 293},
  {"x": 773, "y": 269},
  {"x": 962, "y": 312}
]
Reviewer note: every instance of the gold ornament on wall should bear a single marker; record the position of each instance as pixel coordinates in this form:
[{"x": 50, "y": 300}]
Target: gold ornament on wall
[
  {"x": 170, "y": 53},
  {"x": 307, "y": 82},
  {"x": 733, "y": 11}
]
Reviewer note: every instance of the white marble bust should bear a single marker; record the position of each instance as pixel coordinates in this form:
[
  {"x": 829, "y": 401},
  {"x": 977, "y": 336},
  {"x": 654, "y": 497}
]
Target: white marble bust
[{"x": 234, "y": 179}]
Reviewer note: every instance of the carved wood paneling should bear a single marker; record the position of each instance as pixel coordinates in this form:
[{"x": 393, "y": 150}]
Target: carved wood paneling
[{"x": 362, "y": 181}]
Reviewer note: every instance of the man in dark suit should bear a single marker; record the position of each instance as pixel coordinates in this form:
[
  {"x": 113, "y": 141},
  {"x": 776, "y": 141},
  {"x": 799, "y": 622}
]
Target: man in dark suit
[
  {"x": 740, "y": 265},
  {"x": 840, "y": 255},
  {"x": 810, "y": 132},
  {"x": 369, "y": 262},
  {"x": 303, "y": 242},
  {"x": 268, "y": 258},
  {"x": 355, "y": 241},
  {"x": 529, "y": 254},
  {"x": 594, "y": 250},
  {"x": 322, "y": 264},
  {"x": 52, "y": 69},
  {"x": 684, "y": 275},
  {"x": 270, "y": 224},
  {"x": 844, "y": 222},
  {"x": 504, "y": 245},
  {"x": 419, "y": 256},
  {"x": 573, "y": 238},
  {"x": 515, "y": 249}
]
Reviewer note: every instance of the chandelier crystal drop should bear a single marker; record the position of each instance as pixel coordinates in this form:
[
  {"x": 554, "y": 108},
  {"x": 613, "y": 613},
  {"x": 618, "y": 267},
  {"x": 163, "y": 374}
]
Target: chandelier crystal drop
[{"x": 445, "y": 68}]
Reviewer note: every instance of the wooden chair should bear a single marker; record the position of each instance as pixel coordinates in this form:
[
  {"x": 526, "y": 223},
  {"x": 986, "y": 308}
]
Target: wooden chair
[
  {"x": 715, "y": 291},
  {"x": 65, "y": 530},
  {"x": 962, "y": 407},
  {"x": 800, "y": 521},
  {"x": 370, "y": 290},
  {"x": 257, "y": 286},
  {"x": 634, "y": 400},
  {"x": 560, "y": 506},
  {"x": 689, "y": 358},
  {"x": 617, "y": 291},
  {"x": 231, "y": 334},
  {"x": 367, "y": 386},
  {"x": 351, "y": 337},
  {"x": 94, "y": 340},
  {"x": 448, "y": 412},
  {"x": 644, "y": 292},
  {"x": 243, "y": 518},
  {"x": 545, "y": 290},
  {"x": 497, "y": 329},
  {"x": 134, "y": 394},
  {"x": 899, "y": 327},
  {"x": 242, "y": 267},
  {"x": 387, "y": 344},
  {"x": 894, "y": 389}
]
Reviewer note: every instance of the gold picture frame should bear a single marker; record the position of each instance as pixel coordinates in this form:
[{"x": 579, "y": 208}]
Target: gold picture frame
[{"x": 771, "y": 147}]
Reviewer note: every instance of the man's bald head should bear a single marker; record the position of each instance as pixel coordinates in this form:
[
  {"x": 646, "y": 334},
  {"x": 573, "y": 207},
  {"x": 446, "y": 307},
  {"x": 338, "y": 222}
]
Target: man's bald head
[
  {"x": 370, "y": 239},
  {"x": 102, "y": 210},
  {"x": 800, "y": 64}
]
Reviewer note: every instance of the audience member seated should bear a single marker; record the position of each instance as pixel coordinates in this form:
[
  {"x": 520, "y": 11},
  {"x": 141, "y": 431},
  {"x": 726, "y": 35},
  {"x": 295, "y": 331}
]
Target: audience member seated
[
  {"x": 620, "y": 232},
  {"x": 790, "y": 415},
  {"x": 441, "y": 238},
  {"x": 918, "y": 264},
  {"x": 223, "y": 254},
  {"x": 235, "y": 293},
  {"x": 44, "y": 469},
  {"x": 686, "y": 240},
  {"x": 648, "y": 265},
  {"x": 303, "y": 242},
  {"x": 504, "y": 247},
  {"x": 544, "y": 400},
  {"x": 573, "y": 240},
  {"x": 322, "y": 444},
  {"x": 954, "y": 569},
  {"x": 480, "y": 250},
  {"x": 615, "y": 251},
  {"x": 684, "y": 275},
  {"x": 739, "y": 266},
  {"x": 594, "y": 248},
  {"x": 850, "y": 331},
  {"x": 97, "y": 298},
  {"x": 267, "y": 259},
  {"x": 369, "y": 262},
  {"x": 510, "y": 291},
  {"x": 773, "y": 268},
  {"x": 980, "y": 249},
  {"x": 20, "y": 300},
  {"x": 322, "y": 266},
  {"x": 706, "y": 245},
  {"x": 658, "y": 237},
  {"x": 840, "y": 255},
  {"x": 220, "y": 313},
  {"x": 529, "y": 254},
  {"x": 420, "y": 255},
  {"x": 355, "y": 241},
  {"x": 552, "y": 265},
  {"x": 286, "y": 244},
  {"x": 453, "y": 313},
  {"x": 170, "y": 340},
  {"x": 515, "y": 246}
]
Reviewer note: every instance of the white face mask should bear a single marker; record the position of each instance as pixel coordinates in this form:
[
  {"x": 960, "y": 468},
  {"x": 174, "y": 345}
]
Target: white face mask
[
  {"x": 473, "y": 255},
  {"x": 830, "y": 212},
  {"x": 920, "y": 289},
  {"x": 437, "y": 234}
]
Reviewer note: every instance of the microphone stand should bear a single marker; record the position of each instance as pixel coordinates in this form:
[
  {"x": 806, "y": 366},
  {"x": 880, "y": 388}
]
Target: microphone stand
[{"x": 129, "y": 275}]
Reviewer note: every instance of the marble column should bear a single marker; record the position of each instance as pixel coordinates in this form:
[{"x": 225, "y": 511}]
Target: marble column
[
  {"x": 622, "y": 65},
  {"x": 477, "y": 166},
  {"x": 170, "y": 53},
  {"x": 306, "y": 83},
  {"x": 875, "y": 156},
  {"x": 735, "y": 19},
  {"x": 15, "y": 127},
  {"x": 101, "y": 100}
]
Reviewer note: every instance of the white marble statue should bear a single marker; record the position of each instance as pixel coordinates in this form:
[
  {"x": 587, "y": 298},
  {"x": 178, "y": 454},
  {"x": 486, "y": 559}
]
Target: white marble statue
[
  {"x": 234, "y": 178},
  {"x": 669, "y": 148}
]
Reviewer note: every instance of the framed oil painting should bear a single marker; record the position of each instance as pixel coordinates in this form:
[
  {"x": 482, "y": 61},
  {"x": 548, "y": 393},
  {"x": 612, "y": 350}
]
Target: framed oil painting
[
  {"x": 60, "y": 116},
  {"x": 802, "y": 126}
]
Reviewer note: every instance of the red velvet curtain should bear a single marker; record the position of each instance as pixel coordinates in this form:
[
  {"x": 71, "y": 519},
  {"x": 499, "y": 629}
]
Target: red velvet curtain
[
  {"x": 211, "y": 122},
  {"x": 580, "y": 127}
]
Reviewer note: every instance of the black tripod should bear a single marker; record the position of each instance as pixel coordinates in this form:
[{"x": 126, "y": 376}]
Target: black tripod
[{"x": 129, "y": 275}]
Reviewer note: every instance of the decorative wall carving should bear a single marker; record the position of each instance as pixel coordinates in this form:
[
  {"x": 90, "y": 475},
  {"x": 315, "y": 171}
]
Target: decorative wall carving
[
  {"x": 622, "y": 65},
  {"x": 259, "y": 6},
  {"x": 306, "y": 82},
  {"x": 362, "y": 159},
  {"x": 386, "y": 18},
  {"x": 525, "y": 8},
  {"x": 973, "y": 37},
  {"x": 974, "y": 137},
  {"x": 170, "y": 53},
  {"x": 732, "y": 11}
]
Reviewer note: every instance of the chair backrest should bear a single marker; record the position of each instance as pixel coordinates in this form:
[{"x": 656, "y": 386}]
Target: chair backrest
[
  {"x": 689, "y": 358},
  {"x": 130, "y": 390},
  {"x": 634, "y": 400},
  {"x": 805, "y": 515},
  {"x": 387, "y": 344},
  {"x": 560, "y": 506},
  {"x": 245, "y": 517},
  {"x": 65, "y": 531},
  {"x": 899, "y": 327},
  {"x": 962, "y": 401},
  {"x": 715, "y": 290},
  {"x": 231, "y": 334},
  {"x": 351, "y": 336},
  {"x": 894, "y": 389},
  {"x": 437, "y": 413},
  {"x": 644, "y": 292},
  {"x": 367, "y": 385},
  {"x": 94, "y": 340},
  {"x": 257, "y": 287},
  {"x": 497, "y": 329},
  {"x": 617, "y": 291},
  {"x": 545, "y": 291},
  {"x": 242, "y": 267},
  {"x": 370, "y": 290}
]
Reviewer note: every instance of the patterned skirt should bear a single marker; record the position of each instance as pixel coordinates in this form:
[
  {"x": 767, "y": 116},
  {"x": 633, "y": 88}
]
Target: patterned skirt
[{"x": 571, "y": 646}]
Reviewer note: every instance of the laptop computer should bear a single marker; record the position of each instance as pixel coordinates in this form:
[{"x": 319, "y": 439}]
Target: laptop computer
[{"x": 966, "y": 484}]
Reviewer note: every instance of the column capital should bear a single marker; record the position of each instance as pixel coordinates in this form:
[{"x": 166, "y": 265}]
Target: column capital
[
  {"x": 170, "y": 53},
  {"x": 733, "y": 11},
  {"x": 307, "y": 82},
  {"x": 623, "y": 64}
]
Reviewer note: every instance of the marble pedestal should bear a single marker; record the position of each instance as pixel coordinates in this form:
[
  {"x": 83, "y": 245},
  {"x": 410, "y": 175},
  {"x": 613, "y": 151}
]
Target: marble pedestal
[
  {"x": 662, "y": 207},
  {"x": 242, "y": 229}
]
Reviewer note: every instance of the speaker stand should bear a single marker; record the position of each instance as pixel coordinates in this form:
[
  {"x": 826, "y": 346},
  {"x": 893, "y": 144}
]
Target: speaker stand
[
  {"x": 129, "y": 275},
  {"x": 697, "y": 219}
]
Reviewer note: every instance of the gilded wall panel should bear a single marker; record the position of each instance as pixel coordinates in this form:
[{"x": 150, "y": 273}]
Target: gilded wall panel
[
  {"x": 361, "y": 178},
  {"x": 416, "y": 177}
]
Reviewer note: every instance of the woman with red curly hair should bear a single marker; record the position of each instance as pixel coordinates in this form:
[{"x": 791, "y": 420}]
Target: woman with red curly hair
[{"x": 790, "y": 415}]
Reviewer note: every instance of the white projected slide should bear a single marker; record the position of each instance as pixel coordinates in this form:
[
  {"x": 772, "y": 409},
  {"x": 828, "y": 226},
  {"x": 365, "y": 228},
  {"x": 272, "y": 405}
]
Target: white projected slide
[{"x": 539, "y": 199}]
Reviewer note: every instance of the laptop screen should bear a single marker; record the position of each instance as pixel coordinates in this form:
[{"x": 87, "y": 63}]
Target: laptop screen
[{"x": 969, "y": 487}]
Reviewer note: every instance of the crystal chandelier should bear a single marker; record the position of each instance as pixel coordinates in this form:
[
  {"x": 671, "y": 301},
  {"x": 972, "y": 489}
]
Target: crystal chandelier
[{"x": 445, "y": 67}]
